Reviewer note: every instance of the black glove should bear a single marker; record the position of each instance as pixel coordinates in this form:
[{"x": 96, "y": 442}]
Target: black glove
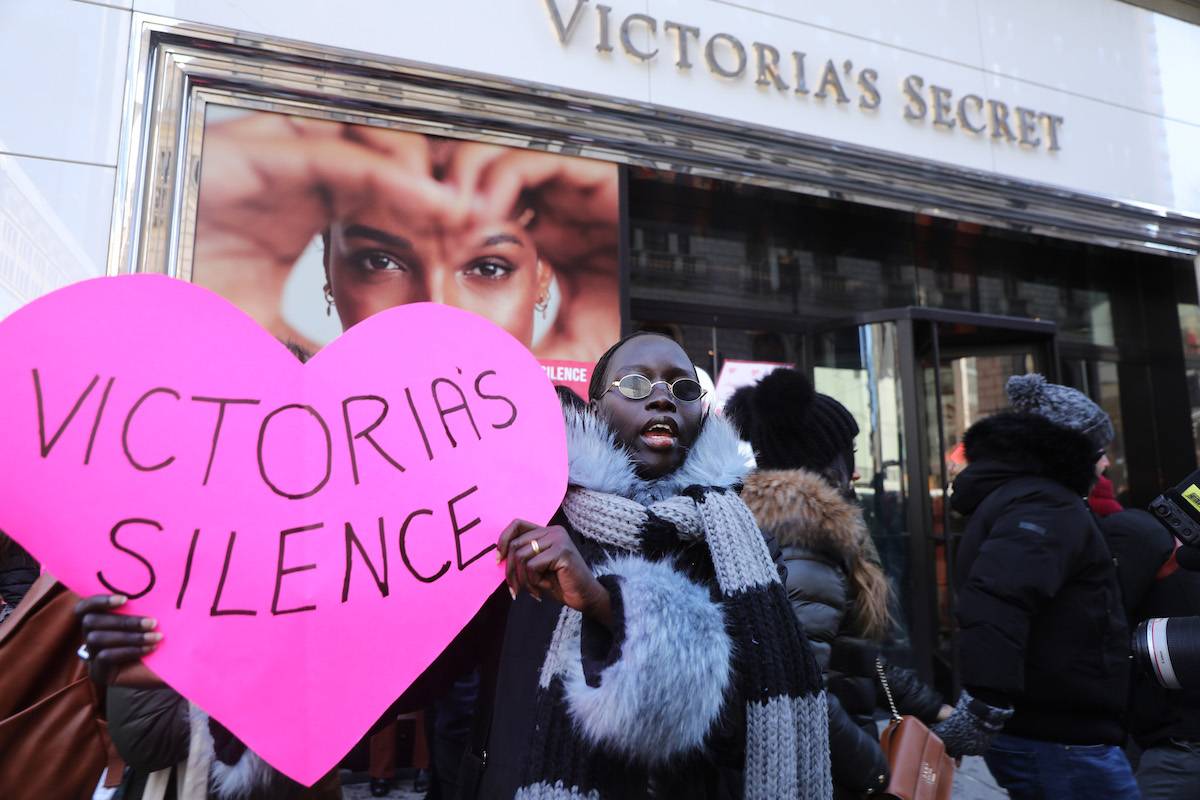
[
  {"x": 1188, "y": 557},
  {"x": 969, "y": 730}
]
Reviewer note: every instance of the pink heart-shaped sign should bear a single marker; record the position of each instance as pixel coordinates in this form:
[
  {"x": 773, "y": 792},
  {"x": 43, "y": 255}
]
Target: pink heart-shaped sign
[{"x": 309, "y": 537}]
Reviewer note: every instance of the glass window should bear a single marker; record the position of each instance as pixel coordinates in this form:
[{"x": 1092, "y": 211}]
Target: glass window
[
  {"x": 1189, "y": 330},
  {"x": 860, "y": 366},
  {"x": 776, "y": 253}
]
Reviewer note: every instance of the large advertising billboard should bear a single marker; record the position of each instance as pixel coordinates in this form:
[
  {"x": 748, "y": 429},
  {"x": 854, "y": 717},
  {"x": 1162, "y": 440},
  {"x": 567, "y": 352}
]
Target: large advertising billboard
[{"x": 311, "y": 226}]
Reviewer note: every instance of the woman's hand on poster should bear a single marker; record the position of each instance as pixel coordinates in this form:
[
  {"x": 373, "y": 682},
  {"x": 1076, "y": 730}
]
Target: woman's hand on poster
[
  {"x": 544, "y": 561},
  {"x": 113, "y": 640},
  {"x": 270, "y": 182},
  {"x": 573, "y": 201}
]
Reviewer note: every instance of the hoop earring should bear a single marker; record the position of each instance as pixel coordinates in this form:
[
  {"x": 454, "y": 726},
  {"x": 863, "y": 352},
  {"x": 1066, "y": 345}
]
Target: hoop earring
[{"x": 328, "y": 301}]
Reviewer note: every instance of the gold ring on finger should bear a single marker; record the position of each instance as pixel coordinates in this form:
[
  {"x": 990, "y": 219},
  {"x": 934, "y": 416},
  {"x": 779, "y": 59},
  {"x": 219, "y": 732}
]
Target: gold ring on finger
[{"x": 537, "y": 548}]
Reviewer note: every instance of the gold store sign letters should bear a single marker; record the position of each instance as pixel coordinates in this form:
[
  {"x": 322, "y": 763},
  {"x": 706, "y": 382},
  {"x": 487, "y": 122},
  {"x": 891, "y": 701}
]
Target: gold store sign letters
[{"x": 642, "y": 37}]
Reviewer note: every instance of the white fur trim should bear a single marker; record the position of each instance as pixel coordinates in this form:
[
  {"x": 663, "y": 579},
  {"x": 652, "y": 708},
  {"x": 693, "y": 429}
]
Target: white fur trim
[
  {"x": 661, "y": 697},
  {"x": 595, "y": 460},
  {"x": 598, "y": 462},
  {"x": 230, "y": 782}
]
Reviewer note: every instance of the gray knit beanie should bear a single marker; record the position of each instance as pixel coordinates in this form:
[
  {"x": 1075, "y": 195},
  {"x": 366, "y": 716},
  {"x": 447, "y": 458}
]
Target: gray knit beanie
[{"x": 1062, "y": 405}]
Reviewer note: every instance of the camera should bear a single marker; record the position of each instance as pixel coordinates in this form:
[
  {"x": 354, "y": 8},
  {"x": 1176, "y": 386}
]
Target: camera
[
  {"x": 1168, "y": 649},
  {"x": 1178, "y": 509}
]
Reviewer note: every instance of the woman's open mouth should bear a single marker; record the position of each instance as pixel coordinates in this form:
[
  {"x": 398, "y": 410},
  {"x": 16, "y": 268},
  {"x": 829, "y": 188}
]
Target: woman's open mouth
[{"x": 660, "y": 434}]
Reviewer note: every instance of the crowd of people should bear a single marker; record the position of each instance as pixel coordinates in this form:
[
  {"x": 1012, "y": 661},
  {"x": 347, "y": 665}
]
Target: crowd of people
[{"x": 694, "y": 625}]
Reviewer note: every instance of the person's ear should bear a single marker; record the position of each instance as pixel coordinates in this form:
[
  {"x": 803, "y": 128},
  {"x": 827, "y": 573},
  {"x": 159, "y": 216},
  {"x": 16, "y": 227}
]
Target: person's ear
[
  {"x": 544, "y": 276},
  {"x": 325, "y": 256}
]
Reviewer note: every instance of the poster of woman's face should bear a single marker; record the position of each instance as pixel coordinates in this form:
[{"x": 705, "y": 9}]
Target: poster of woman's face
[{"x": 311, "y": 226}]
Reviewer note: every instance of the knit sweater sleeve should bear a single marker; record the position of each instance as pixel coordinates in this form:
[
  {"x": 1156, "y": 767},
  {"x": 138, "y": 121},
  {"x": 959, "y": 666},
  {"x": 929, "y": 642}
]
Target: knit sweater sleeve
[{"x": 652, "y": 685}]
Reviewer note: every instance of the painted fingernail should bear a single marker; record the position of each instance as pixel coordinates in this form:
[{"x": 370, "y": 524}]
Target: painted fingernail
[
  {"x": 149, "y": 623},
  {"x": 152, "y": 637},
  {"x": 148, "y": 648},
  {"x": 117, "y": 599},
  {"x": 499, "y": 557}
]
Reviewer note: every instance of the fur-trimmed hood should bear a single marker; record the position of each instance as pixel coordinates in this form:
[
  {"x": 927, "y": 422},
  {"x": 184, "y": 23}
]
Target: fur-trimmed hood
[
  {"x": 1010, "y": 444},
  {"x": 598, "y": 462},
  {"x": 801, "y": 509}
]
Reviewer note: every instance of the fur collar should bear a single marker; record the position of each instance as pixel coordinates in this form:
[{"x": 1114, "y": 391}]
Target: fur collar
[
  {"x": 250, "y": 775},
  {"x": 597, "y": 462},
  {"x": 1011, "y": 444},
  {"x": 800, "y": 509}
]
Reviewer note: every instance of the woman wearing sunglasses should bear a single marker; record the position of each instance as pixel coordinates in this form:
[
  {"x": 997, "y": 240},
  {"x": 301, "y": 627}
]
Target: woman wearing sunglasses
[{"x": 650, "y": 649}]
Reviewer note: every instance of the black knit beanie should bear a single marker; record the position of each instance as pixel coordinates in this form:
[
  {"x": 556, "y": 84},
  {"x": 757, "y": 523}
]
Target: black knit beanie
[{"x": 790, "y": 425}]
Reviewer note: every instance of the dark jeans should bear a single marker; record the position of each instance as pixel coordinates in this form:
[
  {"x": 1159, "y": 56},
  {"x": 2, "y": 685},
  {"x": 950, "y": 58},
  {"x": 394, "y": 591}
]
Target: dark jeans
[
  {"x": 1170, "y": 771},
  {"x": 1033, "y": 770}
]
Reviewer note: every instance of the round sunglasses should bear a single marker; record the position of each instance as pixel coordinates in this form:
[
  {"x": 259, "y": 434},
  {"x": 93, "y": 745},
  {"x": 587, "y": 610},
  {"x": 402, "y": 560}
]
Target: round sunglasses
[{"x": 639, "y": 387}]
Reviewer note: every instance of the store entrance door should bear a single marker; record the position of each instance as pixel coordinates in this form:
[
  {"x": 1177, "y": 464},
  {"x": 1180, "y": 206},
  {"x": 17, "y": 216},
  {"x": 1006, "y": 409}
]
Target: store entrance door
[{"x": 916, "y": 379}]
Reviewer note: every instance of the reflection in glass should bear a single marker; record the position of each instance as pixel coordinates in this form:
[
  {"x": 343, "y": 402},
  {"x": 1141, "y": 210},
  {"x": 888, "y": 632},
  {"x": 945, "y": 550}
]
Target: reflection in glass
[
  {"x": 1098, "y": 380},
  {"x": 861, "y": 368},
  {"x": 778, "y": 254}
]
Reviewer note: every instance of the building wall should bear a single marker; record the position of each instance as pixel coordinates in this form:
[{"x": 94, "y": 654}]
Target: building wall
[{"x": 1121, "y": 78}]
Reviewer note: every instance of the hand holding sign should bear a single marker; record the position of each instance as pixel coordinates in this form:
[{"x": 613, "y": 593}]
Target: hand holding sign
[{"x": 276, "y": 519}]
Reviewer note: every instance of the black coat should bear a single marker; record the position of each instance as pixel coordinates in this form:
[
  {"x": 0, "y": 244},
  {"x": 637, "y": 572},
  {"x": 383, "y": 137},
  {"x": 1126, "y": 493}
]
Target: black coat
[
  {"x": 715, "y": 774},
  {"x": 18, "y": 571},
  {"x": 1155, "y": 586},
  {"x": 1041, "y": 622},
  {"x": 507, "y": 642},
  {"x": 152, "y": 730}
]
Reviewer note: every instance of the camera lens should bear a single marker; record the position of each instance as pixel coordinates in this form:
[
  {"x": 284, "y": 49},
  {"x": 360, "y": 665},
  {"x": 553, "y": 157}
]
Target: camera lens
[{"x": 1168, "y": 648}]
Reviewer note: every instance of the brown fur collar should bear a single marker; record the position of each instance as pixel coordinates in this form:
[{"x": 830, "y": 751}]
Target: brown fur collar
[{"x": 799, "y": 508}]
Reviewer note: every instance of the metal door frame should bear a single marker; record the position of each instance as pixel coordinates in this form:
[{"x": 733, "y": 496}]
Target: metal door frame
[{"x": 919, "y": 510}]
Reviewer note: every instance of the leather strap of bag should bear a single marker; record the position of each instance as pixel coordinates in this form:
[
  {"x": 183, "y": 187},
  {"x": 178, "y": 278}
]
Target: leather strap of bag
[{"x": 887, "y": 690}]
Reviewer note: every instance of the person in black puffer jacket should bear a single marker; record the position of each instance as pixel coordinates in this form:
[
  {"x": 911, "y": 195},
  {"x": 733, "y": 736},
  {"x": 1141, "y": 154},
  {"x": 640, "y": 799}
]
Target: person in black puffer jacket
[
  {"x": 1043, "y": 636},
  {"x": 802, "y": 496},
  {"x": 1164, "y": 723}
]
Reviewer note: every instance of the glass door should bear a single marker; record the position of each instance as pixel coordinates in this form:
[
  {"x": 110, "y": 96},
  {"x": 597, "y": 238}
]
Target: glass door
[
  {"x": 862, "y": 366},
  {"x": 916, "y": 379}
]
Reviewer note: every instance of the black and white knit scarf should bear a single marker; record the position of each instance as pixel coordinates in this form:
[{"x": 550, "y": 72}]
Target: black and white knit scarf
[{"x": 683, "y": 655}]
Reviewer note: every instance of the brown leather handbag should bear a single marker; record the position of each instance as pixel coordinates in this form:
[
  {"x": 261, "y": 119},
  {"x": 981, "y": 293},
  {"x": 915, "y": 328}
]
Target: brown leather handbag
[
  {"x": 52, "y": 741},
  {"x": 920, "y": 767}
]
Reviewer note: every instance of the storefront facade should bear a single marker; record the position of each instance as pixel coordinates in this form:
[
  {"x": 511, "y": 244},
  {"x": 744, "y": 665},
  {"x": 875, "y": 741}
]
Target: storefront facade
[{"x": 910, "y": 201}]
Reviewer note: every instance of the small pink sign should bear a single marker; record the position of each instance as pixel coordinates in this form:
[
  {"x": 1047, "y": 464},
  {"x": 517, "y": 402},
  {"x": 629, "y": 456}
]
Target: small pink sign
[
  {"x": 310, "y": 537},
  {"x": 736, "y": 374},
  {"x": 575, "y": 375}
]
